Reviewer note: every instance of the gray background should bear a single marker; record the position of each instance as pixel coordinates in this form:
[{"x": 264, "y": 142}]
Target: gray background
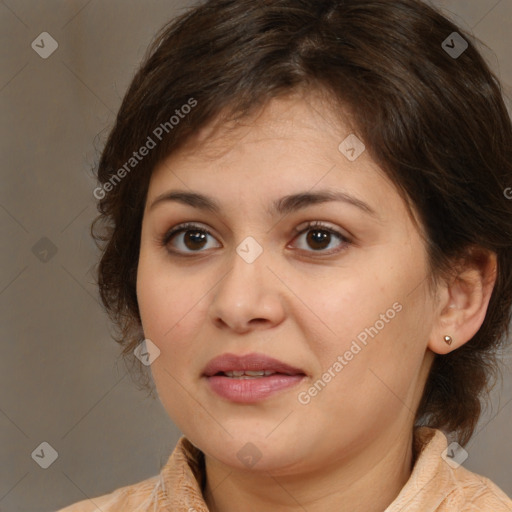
[{"x": 61, "y": 380}]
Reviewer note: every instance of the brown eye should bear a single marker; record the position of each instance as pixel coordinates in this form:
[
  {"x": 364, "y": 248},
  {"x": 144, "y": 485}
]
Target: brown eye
[
  {"x": 194, "y": 239},
  {"x": 320, "y": 237},
  {"x": 187, "y": 238}
]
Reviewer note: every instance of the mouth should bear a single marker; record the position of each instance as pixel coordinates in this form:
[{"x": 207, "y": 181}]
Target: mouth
[
  {"x": 249, "y": 366},
  {"x": 248, "y": 374},
  {"x": 250, "y": 378}
]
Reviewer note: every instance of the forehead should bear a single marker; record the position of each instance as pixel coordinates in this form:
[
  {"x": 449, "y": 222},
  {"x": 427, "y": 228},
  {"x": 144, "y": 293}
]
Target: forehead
[
  {"x": 289, "y": 146},
  {"x": 298, "y": 115}
]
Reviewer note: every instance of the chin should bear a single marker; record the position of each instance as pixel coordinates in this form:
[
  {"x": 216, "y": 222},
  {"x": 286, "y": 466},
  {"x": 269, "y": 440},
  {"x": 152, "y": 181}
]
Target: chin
[{"x": 253, "y": 452}]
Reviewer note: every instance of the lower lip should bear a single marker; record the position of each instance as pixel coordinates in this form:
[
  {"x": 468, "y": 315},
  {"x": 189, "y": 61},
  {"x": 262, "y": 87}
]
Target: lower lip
[{"x": 251, "y": 390}]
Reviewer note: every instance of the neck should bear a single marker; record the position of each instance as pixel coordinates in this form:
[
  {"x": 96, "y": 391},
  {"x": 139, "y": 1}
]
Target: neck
[{"x": 369, "y": 481}]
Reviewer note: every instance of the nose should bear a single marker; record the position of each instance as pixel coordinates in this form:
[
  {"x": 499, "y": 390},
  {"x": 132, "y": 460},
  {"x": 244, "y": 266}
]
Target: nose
[{"x": 248, "y": 297}]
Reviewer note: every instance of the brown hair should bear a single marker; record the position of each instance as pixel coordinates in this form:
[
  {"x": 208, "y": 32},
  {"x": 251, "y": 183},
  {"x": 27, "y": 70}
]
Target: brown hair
[{"x": 435, "y": 122}]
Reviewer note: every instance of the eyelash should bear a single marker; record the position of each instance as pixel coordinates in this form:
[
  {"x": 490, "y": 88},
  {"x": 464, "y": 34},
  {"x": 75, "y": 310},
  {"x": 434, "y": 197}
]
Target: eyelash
[{"x": 310, "y": 226}]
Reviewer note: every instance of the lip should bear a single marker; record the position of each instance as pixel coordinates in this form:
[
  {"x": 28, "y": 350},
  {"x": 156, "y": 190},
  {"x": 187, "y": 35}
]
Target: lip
[
  {"x": 250, "y": 390},
  {"x": 252, "y": 362}
]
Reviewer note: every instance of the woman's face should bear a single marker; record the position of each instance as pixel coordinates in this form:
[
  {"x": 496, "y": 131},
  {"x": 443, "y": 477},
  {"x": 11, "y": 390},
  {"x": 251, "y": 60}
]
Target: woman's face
[{"x": 345, "y": 303}]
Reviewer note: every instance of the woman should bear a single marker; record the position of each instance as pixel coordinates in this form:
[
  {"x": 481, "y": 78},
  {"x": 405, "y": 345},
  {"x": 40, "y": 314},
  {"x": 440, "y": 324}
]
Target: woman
[{"x": 308, "y": 224}]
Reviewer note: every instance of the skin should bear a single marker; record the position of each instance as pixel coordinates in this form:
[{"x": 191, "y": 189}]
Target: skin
[{"x": 349, "y": 448}]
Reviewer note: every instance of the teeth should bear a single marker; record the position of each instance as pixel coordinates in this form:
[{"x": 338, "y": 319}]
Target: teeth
[
  {"x": 249, "y": 374},
  {"x": 258, "y": 373}
]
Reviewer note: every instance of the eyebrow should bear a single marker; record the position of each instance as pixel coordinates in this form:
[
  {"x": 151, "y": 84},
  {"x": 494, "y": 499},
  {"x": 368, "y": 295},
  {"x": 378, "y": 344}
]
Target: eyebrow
[{"x": 284, "y": 205}]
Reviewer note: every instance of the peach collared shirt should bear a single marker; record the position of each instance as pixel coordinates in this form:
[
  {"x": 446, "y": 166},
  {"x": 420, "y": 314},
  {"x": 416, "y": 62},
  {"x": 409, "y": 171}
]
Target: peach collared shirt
[{"x": 434, "y": 485}]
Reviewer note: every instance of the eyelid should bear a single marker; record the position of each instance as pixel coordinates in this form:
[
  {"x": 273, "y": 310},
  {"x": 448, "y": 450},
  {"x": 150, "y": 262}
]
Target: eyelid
[
  {"x": 184, "y": 226},
  {"x": 324, "y": 226},
  {"x": 318, "y": 224}
]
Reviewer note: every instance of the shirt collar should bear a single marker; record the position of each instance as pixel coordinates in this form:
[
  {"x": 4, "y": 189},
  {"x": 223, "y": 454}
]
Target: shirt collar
[{"x": 431, "y": 479}]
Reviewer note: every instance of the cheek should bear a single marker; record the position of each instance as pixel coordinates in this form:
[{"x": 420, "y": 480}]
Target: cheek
[
  {"x": 345, "y": 306},
  {"x": 172, "y": 307},
  {"x": 370, "y": 319},
  {"x": 165, "y": 297},
  {"x": 168, "y": 316}
]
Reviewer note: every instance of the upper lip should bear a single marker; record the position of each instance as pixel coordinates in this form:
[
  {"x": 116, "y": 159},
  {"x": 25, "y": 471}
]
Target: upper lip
[{"x": 252, "y": 362}]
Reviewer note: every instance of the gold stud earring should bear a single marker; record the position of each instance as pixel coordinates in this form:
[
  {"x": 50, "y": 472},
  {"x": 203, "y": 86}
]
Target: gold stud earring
[{"x": 448, "y": 340}]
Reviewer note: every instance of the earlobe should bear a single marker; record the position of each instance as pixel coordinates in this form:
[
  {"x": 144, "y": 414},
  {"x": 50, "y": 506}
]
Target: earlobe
[
  {"x": 464, "y": 306},
  {"x": 444, "y": 344}
]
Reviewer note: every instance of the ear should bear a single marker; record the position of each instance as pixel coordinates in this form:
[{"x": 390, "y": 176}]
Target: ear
[{"x": 462, "y": 302}]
